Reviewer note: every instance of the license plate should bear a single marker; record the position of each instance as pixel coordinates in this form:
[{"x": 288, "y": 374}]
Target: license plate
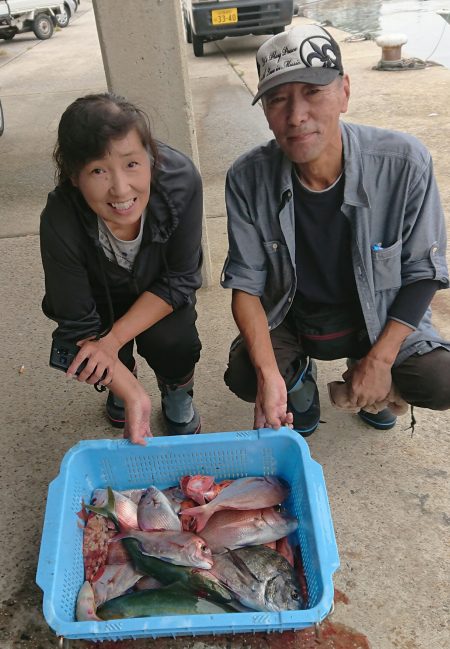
[{"x": 224, "y": 16}]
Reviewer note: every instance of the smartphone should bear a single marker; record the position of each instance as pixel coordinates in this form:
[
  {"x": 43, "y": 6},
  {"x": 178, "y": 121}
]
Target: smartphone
[{"x": 62, "y": 354}]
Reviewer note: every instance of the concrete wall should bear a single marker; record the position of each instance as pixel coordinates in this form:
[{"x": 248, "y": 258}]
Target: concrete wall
[{"x": 143, "y": 54}]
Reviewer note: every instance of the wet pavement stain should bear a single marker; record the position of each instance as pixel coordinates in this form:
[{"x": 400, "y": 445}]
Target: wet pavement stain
[
  {"x": 331, "y": 635},
  {"x": 339, "y": 596}
]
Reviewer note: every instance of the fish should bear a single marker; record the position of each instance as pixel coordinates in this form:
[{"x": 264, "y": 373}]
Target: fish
[
  {"x": 284, "y": 547},
  {"x": 188, "y": 523},
  {"x": 259, "y": 578},
  {"x": 243, "y": 493},
  {"x": 155, "y": 512},
  {"x": 216, "y": 489},
  {"x": 95, "y": 545},
  {"x": 181, "y": 548},
  {"x": 194, "y": 487},
  {"x": 112, "y": 581},
  {"x": 133, "y": 494},
  {"x": 300, "y": 572},
  {"x": 175, "y": 497},
  {"x": 230, "y": 529},
  {"x": 170, "y": 600},
  {"x": 187, "y": 504},
  {"x": 117, "y": 553},
  {"x": 85, "y": 607},
  {"x": 197, "y": 580},
  {"x": 148, "y": 583},
  {"x": 118, "y": 507}
]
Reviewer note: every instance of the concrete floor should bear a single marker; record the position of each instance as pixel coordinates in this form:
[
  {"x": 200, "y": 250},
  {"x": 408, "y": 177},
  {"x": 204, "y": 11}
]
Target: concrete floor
[{"x": 388, "y": 491}]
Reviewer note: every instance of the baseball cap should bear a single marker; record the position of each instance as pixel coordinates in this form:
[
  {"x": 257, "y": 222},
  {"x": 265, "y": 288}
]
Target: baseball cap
[{"x": 305, "y": 54}]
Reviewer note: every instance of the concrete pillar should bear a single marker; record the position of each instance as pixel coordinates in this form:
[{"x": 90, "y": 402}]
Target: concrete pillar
[{"x": 144, "y": 56}]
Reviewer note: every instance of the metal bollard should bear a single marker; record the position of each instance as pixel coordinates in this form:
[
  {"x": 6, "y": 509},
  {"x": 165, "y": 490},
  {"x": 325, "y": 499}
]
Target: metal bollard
[{"x": 391, "y": 50}]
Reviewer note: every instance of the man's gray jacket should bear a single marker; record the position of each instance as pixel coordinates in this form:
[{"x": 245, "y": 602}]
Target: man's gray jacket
[{"x": 392, "y": 202}]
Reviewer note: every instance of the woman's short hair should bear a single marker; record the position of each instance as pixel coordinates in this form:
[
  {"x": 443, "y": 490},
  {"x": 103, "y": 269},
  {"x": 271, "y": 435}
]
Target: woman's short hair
[{"x": 89, "y": 124}]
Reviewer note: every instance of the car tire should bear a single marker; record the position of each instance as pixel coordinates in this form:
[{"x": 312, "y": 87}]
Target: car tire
[
  {"x": 2, "y": 121},
  {"x": 197, "y": 44},
  {"x": 7, "y": 36},
  {"x": 43, "y": 27},
  {"x": 187, "y": 29},
  {"x": 63, "y": 19}
]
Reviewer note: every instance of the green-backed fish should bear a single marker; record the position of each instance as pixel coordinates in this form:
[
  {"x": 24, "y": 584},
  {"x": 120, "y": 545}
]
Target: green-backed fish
[
  {"x": 170, "y": 600},
  {"x": 199, "y": 582}
]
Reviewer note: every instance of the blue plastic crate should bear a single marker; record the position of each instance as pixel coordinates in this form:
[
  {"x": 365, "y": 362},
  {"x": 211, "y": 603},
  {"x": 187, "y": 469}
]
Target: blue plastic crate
[{"x": 121, "y": 465}]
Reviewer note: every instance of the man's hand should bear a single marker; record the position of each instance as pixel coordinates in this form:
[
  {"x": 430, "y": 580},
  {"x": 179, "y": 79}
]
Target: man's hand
[
  {"x": 101, "y": 356},
  {"x": 369, "y": 382},
  {"x": 271, "y": 403}
]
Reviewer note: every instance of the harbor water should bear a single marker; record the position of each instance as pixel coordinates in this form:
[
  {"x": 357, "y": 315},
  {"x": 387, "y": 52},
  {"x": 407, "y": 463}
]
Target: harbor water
[{"x": 426, "y": 23}]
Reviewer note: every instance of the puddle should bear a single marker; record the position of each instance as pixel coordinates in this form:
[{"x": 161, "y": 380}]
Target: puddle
[{"x": 426, "y": 23}]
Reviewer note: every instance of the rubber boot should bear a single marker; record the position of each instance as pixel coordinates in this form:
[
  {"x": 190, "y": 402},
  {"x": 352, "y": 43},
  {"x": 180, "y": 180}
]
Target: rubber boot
[
  {"x": 179, "y": 412},
  {"x": 303, "y": 400}
]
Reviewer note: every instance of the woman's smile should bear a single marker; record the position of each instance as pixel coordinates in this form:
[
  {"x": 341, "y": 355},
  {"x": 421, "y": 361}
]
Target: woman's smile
[{"x": 124, "y": 207}]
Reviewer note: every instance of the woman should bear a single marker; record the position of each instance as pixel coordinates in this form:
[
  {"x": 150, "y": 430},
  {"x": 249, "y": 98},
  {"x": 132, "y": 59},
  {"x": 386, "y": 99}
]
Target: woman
[{"x": 121, "y": 250}]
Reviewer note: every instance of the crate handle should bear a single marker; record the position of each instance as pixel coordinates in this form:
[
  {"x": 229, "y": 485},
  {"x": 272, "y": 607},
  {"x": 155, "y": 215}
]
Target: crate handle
[
  {"x": 329, "y": 547},
  {"x": 50, "y": 532}
]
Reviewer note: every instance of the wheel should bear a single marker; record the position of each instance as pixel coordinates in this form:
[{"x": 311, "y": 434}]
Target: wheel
[
  {"x": 7, "y": 36},
  {"x": 2, "y": 123},
  {"x": 187, "y": 29},
  {"x": 62, "y": 19},
  {"x": 278, "y": 30},
  {"x": 43, "y": 27},
  {"x": 197, "y": 43}
]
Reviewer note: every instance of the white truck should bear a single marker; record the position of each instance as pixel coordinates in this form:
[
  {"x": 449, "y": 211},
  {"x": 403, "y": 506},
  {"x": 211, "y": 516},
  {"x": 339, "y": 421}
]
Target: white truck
[
  {"x": 210, "y": 20},
  {"x": 37, "y": 16}
]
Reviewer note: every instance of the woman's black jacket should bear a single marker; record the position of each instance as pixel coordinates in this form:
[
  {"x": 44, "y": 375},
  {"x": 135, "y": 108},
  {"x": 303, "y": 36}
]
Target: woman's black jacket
[{"x": 168, "y": 263}]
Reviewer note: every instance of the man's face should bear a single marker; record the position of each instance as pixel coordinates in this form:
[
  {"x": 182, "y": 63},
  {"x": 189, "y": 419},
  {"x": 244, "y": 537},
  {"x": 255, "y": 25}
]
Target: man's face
[{"x": 305, "y": 118}]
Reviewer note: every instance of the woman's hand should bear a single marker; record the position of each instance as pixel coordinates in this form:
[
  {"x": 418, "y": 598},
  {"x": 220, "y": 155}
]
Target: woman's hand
[
  {"x": 271, "y": 403},
  {"x": 137, "y": 418},
  {"x": 101, "y": 358},
  {"x": 137, "y": 404}
]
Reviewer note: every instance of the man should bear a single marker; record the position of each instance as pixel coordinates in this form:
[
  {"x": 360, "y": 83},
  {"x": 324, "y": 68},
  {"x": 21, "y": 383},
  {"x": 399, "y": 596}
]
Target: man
[{"x": 336, "y": 247}]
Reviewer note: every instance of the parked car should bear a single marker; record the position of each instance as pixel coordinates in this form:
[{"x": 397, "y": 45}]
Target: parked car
[
  {"x": 70, "y": 7},
  {"x": 38, "y": 16},
  {"x": 210, "y": 20}
]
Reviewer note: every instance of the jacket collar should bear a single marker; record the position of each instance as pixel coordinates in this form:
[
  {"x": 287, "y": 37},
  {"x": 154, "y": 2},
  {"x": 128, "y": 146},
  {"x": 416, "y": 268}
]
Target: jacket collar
[{"x": 354, "y": 190}]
